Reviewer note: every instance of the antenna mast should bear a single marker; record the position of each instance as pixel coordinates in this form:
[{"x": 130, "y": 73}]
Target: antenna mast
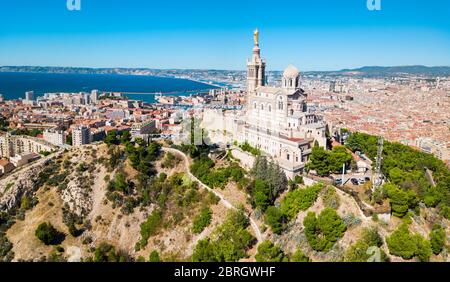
[{"x": 378, "y": 178}]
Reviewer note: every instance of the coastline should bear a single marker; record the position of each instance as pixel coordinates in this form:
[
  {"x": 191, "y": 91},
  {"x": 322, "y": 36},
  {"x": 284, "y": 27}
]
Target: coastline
[{"x": 13, "y": 87}]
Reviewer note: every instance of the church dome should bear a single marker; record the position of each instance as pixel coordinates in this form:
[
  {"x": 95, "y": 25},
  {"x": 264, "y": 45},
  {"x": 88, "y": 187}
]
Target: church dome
[{"x": 291, "y": 72}]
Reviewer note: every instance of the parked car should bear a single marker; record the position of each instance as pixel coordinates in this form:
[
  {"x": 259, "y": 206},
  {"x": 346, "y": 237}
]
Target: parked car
[
  {"x": 367, "y": 178},
  {"x": 354, "y": 181},
  {"x": 338, "y": 181},
  {"x": 361, "y": 181}
]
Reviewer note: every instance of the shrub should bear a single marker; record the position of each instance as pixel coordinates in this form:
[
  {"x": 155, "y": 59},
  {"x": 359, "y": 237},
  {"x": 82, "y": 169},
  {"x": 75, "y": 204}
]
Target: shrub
[
  {"x": 406, "y": 245},
  {"x": 202, "y": 220},
  {"x": 401, "y": 201},
  {"x": 228, "y": 243},
  {"x": 107, "y": 253},
  {"x": 330, "y": 198},
  {"x": 437, "y": 239},
  {"x": 154, "y": 257},
  {"x": 151, "y": 225},
  {"x": 48, "y": 234},
  {"x": 268, "y": 252},
  {"x": 299, "y": 256},
  {"x": 5, "y": 249},
  {"x": 299, "y": 200},
  {"x": 274, "y": 218},
  {"x": 323, "y": 231},
  {"x": 261, "y": 194},
  {"x": 248, "y": 148},
  {"x": 360, "y": 251}
]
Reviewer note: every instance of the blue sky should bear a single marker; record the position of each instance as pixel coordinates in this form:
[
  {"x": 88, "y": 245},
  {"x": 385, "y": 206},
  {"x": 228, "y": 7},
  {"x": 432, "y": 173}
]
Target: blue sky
[{"x": 313, "y": 34}]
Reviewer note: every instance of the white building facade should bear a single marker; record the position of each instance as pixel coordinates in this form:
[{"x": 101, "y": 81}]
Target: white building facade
[
  {"x": 55, "y": 137},
  {"x": 277, "y": 119},
  {"x": 81, "y": 136}
]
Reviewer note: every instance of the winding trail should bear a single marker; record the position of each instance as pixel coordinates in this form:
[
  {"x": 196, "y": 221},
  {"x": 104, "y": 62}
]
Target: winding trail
[{"x": 224, "y": 201}]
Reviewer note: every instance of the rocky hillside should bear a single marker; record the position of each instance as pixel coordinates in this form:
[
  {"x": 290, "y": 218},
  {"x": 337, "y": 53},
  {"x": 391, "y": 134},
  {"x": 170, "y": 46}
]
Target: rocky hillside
[{"x": 143, "y": 202}]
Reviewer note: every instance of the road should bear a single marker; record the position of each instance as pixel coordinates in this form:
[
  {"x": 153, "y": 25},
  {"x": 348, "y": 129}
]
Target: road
[{"x": 224, "y": 201}]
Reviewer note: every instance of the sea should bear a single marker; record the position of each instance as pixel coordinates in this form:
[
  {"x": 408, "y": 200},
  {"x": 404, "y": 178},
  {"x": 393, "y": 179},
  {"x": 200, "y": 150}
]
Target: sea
[{"x": 13, "y": 85}]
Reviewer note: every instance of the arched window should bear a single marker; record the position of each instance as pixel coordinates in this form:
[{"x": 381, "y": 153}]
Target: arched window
[
  {"x": 254, "y": 105},
  {"x": 270, "y": 108},
  {"x": 262, "y": 107},
  {"x": 292, "y": 112},
  {"x": 280, "y": 105}
]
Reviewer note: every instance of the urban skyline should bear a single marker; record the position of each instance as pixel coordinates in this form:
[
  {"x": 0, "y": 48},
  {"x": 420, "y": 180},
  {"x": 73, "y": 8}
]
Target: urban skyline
[{"x": 324, "y": 35}]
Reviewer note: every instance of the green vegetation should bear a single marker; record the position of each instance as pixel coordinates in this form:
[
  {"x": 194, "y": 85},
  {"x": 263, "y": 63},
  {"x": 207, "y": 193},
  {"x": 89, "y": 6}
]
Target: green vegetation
[
  {"x": 203, "y": 169},
  {"x": 111, "y": 138},
  {"x": 248, "y": 148},
  {"x": 437, "y": 239},
  {"x": 125, "y": 137},
  {"x": 150, "y": 226},
  {"x": 142, "y": 156},
  {"x": 361, "y": 250},
  {"x": 330, "y": 198},
  {"x": 275, "y": 219},
  {"x": 130, "y": 193},
  {"x": 294, "y": 183},
  {"x": 170, "y": 161},
  {"x": 69, "y": 139},
  {"x": 270, "y": 182},
  {"x": 202, "y": 220},
  {"x": 48, "y": 234},
  {"x": 406, "y": 167},
  {"x": 228, "y": 243},
  {"x": 401, "y": 200},
  {"x": 154, "y": 257},
  {"x": 324, "y": 162},
  {"x": 268, "y": 252},
  {"x": 107, "y": 253},
  {"x": 261, "y": 194},
  {"x": 406, "y": 245},
  {"x": 4, "y": 124},
  {"x": 299, "y": 200},
  {"x": 6, "y": 246},
  {"x": 176, "y": 198},
  {"x": 25, "y": 131},
  {"x": 323, "y": 231},
  {"x": 6, "y": 221},
  {"x": 299, "y": 256}
]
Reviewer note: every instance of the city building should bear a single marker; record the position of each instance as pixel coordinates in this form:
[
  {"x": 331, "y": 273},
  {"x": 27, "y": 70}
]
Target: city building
[
  {"x": 11, "y": 145},
  {"x": 277, "y": 120},
  {"x": 81, "y": 136},
  {"x": 5, "y": 167},
  {"x": 55, "y": 136},
  {"x": 94, "y": 96},
  {"x": 29, "y": 95},
  {"x": 143, "y": 128},
  {"x": 23, "y": 159},
  {"x": 87, "y": 98}
]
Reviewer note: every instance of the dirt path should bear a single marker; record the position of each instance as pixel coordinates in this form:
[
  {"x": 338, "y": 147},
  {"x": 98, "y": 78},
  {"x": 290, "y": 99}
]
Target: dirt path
[{"x": 224, "y": 201}]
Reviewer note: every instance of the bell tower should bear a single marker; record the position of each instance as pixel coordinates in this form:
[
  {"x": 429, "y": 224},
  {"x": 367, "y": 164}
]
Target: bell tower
[{"x": 256, "y": 67}]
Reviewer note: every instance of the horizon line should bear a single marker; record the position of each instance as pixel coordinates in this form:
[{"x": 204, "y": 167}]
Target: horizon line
[{"x": 214, "y": 69}]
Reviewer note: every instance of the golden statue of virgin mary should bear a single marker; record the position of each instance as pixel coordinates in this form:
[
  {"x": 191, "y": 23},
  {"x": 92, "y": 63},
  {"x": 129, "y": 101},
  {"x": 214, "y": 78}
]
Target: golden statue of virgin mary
[{"x": 256, "y": 36}]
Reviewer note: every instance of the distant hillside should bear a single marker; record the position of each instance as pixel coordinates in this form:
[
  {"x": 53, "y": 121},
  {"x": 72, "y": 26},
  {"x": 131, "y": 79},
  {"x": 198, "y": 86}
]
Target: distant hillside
[
  {"x": 367, "y": 71},
  {"x": 389, "y": 71}
]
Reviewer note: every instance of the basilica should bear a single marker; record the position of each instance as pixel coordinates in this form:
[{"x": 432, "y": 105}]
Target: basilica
[{"x": 277, "y": 120}]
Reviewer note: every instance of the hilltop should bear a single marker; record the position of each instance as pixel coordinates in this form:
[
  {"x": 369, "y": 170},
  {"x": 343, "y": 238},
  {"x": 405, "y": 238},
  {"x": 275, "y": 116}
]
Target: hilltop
[
  {"x": 366, "y": 71},
  {"x": 137, "y": 201}
]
